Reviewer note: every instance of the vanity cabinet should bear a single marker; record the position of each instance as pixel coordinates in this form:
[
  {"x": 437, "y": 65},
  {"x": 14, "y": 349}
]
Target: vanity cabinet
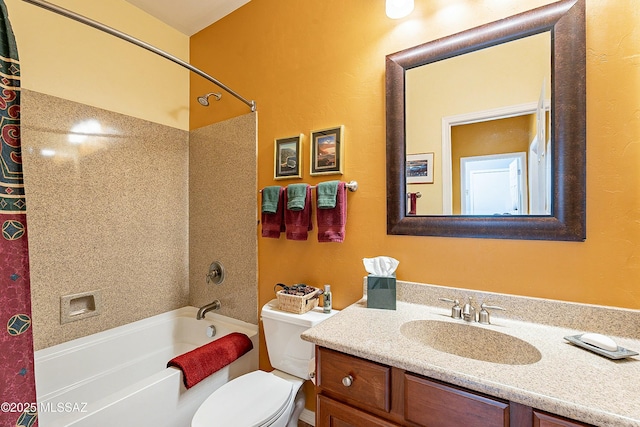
[
  {"x": 360, "y": 381},
  {"x": 354, "y": 392},
  {"x": 431, "y": 403},
  {"x": 540, "y": 419},
  {"x": 331, "y": 413}
]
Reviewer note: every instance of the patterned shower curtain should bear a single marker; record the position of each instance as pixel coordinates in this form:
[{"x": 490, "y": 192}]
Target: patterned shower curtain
[{"x": 17, "y": 381}]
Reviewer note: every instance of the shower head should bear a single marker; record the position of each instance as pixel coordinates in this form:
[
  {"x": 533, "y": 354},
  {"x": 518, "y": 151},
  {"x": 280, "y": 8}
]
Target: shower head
[{"x": 204, "y": 99}]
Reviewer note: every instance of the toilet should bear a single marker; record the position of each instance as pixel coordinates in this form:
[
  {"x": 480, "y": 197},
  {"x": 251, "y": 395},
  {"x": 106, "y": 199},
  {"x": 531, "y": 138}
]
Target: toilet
[{"x": 276, "y": 398}]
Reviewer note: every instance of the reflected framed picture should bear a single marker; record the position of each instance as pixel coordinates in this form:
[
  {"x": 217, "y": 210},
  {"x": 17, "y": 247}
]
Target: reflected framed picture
[
  {"x": 327, "y": 151},
  {"x": 287, "y": 158},
  {"x": 419, "y": 168}
]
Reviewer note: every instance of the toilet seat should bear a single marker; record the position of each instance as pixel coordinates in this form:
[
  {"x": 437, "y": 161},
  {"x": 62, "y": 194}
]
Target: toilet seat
[{"x": 254, "y": 399}]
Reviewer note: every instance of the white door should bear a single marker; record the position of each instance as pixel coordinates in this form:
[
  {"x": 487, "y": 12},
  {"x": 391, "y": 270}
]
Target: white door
[
  {"x": 539, "y": 162},
  {"x": 493, "y": 185},
  {"x": 488, "y": 192}
]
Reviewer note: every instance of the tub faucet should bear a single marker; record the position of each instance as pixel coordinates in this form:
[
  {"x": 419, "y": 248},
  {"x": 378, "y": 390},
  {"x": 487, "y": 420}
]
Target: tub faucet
[{"x": 215, "y": 305}]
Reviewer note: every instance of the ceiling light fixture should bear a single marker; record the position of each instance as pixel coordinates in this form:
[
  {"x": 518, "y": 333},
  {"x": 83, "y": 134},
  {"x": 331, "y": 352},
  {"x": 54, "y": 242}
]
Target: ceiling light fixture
[{"x": 397, "y": 9}]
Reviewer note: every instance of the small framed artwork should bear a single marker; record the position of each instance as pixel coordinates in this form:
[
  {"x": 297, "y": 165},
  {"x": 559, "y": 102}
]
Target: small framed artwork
[
  {"x": 327, "y": 151},
  {"x": 287, "y": 158},
  {"x": 420, "y": 168}
]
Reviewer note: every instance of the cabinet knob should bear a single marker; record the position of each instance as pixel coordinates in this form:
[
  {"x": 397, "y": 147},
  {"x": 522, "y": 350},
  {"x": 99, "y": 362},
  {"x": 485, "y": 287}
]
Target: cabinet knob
[{"x": 347, "y": 381}]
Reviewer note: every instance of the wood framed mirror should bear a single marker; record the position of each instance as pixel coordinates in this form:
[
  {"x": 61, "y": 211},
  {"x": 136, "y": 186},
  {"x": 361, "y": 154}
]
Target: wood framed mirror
[{"x": 564, "y": 215}]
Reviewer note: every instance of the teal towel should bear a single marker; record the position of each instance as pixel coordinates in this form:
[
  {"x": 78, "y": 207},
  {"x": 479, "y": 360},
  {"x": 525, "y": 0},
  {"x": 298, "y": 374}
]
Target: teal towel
[
  {"x": 270, "y": 199},
  {"x": 296, "y": 196},
  {"x": 326, "y": 192}
]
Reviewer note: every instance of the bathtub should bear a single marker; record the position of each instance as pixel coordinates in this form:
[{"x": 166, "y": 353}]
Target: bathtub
[{"x": 119, "y": 377}]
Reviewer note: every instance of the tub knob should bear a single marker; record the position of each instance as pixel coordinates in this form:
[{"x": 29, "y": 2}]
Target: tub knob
[{"x": 216, "y": 273}]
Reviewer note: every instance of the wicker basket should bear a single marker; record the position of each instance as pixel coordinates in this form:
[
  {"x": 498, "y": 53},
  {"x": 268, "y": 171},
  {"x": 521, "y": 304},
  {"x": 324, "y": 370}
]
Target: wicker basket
[{"x": 297, "y": 304}]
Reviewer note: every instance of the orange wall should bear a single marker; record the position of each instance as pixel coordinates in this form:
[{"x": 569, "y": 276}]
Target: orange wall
[{"x": 315, "y": 64}]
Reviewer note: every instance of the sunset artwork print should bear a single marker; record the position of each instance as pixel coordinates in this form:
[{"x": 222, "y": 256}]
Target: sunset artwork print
[{"x": 327, "y": 151}]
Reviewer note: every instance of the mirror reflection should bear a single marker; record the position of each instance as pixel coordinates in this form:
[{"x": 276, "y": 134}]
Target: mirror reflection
[
  {"x": 478, "y": 138},
  {"x": 431, "y": 188}
]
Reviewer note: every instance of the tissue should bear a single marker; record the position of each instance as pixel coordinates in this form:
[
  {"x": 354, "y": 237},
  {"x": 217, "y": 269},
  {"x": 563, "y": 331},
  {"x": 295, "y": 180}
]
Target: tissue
[
  {"x": 381, "y": 282},
  {"x": 381, "y": 266}
]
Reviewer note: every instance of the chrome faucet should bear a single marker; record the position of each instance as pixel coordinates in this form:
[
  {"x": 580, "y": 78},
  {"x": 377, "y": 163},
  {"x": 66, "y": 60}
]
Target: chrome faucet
[
  {"x": 469, "y": 311},
  {"x": 215, "y": 305}
]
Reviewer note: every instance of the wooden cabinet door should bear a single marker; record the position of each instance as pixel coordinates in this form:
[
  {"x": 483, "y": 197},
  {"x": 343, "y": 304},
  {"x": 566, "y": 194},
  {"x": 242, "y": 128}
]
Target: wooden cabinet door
[
  {"x": 546, "y": 420},
  {"x": 434, "y": 404},
  {"x": 335, "y": 414}
]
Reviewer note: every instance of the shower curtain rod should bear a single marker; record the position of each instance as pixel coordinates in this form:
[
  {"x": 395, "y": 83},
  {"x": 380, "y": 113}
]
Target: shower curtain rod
[{"x": 90, "y": 22}]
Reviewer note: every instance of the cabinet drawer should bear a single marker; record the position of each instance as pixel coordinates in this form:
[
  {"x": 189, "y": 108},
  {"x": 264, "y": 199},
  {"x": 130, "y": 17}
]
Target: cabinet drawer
[
  {"x": 541, "y": 419},
  {"x": 364, "y": 381},
  {"x": 434, "y": 404},
  {"x": 336, "y": 414}
]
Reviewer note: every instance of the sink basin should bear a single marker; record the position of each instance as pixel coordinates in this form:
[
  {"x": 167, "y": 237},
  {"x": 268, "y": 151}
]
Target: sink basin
[{"x": 471, "y": 341}]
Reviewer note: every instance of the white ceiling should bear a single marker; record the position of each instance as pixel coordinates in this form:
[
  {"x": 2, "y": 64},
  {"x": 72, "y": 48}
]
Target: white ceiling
[{"x": 188, "y": 16}]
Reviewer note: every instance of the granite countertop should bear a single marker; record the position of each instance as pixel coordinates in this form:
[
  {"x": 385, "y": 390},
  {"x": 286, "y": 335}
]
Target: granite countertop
[{"x": 567, "y": 380}]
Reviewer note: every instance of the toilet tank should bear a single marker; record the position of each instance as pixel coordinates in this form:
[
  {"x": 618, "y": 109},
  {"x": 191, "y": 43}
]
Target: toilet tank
[{"x": 287, "y": 351}]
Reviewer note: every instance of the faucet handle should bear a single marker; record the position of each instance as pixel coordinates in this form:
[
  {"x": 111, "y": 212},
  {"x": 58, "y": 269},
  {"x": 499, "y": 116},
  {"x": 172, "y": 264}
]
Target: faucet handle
[
  {"x": 484, "y": 317},
  {"x": 216, "y": 273},
  {"x": 456, "y": 311}
]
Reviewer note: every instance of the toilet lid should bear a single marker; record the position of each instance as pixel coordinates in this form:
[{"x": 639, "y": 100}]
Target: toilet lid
[{"x": 252, "y": 400}]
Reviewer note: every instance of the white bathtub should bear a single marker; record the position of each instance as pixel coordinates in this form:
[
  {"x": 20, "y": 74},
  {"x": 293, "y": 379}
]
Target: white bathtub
[{"x": 119, "y": 377}]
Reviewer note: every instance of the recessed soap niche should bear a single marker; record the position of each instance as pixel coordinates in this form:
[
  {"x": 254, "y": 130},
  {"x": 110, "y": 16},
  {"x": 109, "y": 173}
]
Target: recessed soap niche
[{"x": 80, "y": 306}]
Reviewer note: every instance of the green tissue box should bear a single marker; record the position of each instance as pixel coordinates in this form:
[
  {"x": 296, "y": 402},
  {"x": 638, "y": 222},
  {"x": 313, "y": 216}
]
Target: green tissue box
[{"x": 381, "y": 292}]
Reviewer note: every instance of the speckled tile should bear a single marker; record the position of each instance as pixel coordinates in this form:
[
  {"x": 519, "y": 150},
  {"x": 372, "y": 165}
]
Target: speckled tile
[
  {"x": 223, "y": 215},
  {"x": 567, "y": 380},
  {"x": 107, "y": 209}
]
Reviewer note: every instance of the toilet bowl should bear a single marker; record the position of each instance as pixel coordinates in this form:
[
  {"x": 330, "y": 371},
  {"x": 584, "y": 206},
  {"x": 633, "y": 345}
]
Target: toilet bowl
[
  {"x": 255, "y": 399},
  {"x": 268, "y": 399}
]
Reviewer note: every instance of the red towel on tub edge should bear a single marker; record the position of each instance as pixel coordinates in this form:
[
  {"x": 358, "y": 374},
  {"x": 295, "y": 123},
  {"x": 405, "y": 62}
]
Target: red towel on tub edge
[{"x": 203, "y": 361}]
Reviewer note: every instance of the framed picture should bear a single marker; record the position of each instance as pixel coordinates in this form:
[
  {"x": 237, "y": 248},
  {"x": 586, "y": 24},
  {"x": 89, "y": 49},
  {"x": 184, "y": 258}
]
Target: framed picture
[
  {"x": 327, "y": 151},
  {"x": 420, "y": 168},
  {"x": 287, "y": 158}
]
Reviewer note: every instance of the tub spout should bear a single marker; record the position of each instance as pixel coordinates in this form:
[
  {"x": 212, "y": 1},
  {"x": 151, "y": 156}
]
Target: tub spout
[{"x": 215, "y": 305}]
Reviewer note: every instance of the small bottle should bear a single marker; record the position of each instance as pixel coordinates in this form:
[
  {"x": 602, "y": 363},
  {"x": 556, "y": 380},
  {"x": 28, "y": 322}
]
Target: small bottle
[{"x": 327, "y": 299}]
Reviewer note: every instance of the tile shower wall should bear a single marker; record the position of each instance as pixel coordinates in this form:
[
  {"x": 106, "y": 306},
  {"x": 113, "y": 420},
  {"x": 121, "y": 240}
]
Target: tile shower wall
[
  {"x": 223, "y": 215},
  {"x": 107, "y": 201}
]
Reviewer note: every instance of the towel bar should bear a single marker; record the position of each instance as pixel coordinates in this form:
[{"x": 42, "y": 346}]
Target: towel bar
[{"x": 351, "y": 186}]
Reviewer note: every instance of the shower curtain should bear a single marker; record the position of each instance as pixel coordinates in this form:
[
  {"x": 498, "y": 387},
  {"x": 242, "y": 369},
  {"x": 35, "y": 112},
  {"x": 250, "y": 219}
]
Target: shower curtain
[{"x": 17, "y": 381}]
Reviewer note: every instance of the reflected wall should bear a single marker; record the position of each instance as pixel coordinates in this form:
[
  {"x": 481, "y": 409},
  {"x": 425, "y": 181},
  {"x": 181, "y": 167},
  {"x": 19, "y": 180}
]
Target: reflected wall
[{"x": 495, "y": 83}]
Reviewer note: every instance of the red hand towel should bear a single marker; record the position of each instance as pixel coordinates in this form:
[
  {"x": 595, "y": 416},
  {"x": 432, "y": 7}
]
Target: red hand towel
[
  {"x": 273, "y": 223},
  {"x": 413, "y": 202},
  {"x": 298, "y": 223},
  {"x": 331, "y": 222},
  {"x": 203, "y": 361}
]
